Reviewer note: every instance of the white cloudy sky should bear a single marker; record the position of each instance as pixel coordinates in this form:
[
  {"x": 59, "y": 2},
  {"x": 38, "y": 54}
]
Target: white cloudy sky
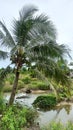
[{"x": 59, "y": 11}]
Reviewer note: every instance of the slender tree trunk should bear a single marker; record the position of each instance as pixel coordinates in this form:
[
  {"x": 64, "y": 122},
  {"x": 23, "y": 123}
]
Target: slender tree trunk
[{"x": 14, "y": 88}]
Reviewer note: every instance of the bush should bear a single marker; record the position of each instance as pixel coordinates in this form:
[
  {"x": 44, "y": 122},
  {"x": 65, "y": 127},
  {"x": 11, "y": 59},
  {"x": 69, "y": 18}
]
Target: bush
[
  {"x": 45, "y": 102},
  {"x": 35, "y": 85},
  {"x": 43, "y": 86},
  {"x": 31, "y": 116},
  {"x": 12, "y": 119},
  {"x": 11, "y": 79},
  {"x": 20, "y": 84},
  {"x": 17, "y": 117},
  {"x": 26, "y": 80}
]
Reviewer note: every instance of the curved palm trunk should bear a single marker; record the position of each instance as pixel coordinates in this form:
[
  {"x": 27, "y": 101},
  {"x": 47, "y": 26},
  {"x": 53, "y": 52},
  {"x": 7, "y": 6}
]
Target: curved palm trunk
[{"x": 14, "y": 88}]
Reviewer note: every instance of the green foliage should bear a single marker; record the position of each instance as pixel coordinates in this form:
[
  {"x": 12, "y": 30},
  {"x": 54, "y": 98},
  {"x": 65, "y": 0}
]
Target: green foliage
[
  {"x": 53, "y": 126},
  {"x": 15, "y": 118},
  {"x": 12, "y": 119},
  {"x": 43, "y": 86},
  {"x": 31, "y": 116},
  {"x": 7, "y": 88},
  {"x": 69, "y": 126},
  {"x": 2, "y": 103},
  {"x": 23, "y": 70},
  {"x": 20, "y": 84},
  {"x": 33, "y": 86},
  {"x": 26, "y": 80},
  {"x": 58, "y": 126},
  {"x": 3, "y": 75},
  {"x": 63, "y": 92},
  {"x": 24, "y": 45},
  {"x": 38, "y": 85},
  {"x": 33, "y": 73},
  {"x": 11, "y": 79},
  {"x": 45, "y": 101}
]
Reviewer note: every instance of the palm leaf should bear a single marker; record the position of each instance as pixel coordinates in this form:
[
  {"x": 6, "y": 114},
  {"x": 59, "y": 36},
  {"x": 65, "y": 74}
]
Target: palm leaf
[
  {"x": 27, "y": 12},
  {"x": 45, "y": 25},
  {"x": 3, "y": 54},
  {"x": 6, "y": 36}
]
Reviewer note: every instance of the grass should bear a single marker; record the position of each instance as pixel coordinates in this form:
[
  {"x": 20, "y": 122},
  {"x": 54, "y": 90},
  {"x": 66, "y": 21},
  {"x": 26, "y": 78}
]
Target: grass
[{"x": 58, "y": 126}]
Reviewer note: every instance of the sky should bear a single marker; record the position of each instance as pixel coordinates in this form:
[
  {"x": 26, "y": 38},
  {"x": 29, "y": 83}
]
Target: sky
[{"x": 59, "y": 11}]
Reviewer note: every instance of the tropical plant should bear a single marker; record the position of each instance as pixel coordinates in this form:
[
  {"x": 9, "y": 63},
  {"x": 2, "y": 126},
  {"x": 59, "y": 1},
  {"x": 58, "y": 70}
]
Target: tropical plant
[
  {"x": 33, "y": 39},
  {"x": 17, "y": 117},
  {"x": 45, "y": 102}
]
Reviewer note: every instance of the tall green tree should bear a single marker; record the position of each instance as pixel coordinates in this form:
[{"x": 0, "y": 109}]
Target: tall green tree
[{"x": 33, "y": 39}]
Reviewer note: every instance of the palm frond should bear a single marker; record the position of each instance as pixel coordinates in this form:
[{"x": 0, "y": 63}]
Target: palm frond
[
  {"x": 45, "y": 46},
  {"x": 43, "y": 30},
  {"x": 2, "y": 37},
  {"x": 45, "y": 25},
  {"x": 27, "y": 12},
  {"x": 13, "y": 50},
  {"x": 20, "y": 31},
  {"x": 61, "y": 77},
  {"x": 50, "y": 68},
  {"x": 24, "y": 29},
  {"x": 65, "y": 50},
  {"x": 3, "y": 54},
  {"x": 43, "y": 77},
  {"x": 6, "y": 37},
  {"x": 42, "y": 19}
]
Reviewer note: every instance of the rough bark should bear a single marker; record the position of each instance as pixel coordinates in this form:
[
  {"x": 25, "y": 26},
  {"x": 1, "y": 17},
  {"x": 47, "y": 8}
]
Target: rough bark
[{"x": 14, "y": 88}]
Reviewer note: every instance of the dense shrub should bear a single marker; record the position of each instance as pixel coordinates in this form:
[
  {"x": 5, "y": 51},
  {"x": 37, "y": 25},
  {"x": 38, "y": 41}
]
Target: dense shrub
[
  {"x": 26, "y": 80},
  {"x": 15, "y": 118},
  {"x": 31, "y": 116},
  {"x": 43, "y": 86},
  {"x": 12, "y": 119},
  {"x": 35, "y": 85},
  {"x": 45, "y": 102}
]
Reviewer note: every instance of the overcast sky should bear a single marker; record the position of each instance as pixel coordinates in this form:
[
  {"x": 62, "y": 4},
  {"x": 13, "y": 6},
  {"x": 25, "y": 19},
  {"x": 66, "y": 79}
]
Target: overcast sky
[{"x": 59, "y": 11}]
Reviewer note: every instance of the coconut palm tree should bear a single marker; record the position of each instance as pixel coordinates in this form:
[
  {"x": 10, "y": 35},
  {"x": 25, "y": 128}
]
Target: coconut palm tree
[{"x": 33, "y": 39}]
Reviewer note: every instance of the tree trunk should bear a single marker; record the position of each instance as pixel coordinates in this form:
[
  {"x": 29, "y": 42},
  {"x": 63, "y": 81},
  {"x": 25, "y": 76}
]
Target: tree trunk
[{"x": 11, "y": 100}]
